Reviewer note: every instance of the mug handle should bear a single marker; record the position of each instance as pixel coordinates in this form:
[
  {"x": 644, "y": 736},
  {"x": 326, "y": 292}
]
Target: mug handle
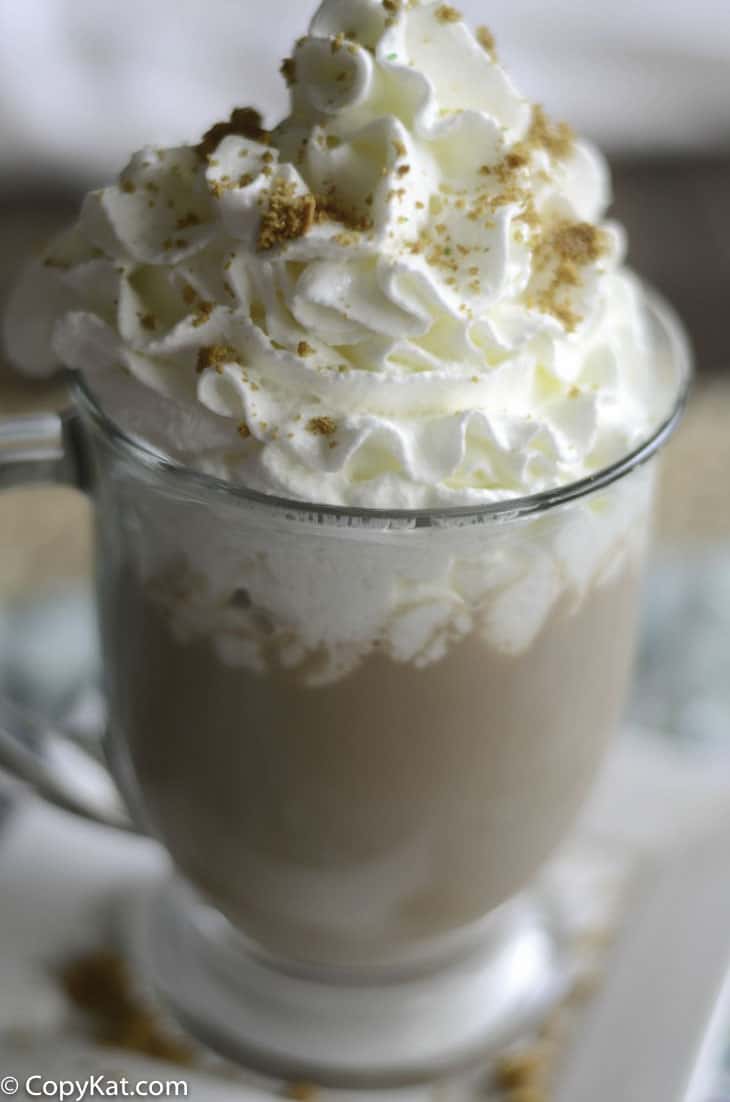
[{"x": 46, "y": 448}]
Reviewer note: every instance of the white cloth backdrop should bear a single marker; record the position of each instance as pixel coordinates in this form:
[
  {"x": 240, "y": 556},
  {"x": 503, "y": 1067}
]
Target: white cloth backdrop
[{"x": 84, "y": 81}]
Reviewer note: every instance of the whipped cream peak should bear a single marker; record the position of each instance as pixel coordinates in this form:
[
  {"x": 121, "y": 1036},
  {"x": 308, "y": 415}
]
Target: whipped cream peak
[{"x": 403, "y": 295}]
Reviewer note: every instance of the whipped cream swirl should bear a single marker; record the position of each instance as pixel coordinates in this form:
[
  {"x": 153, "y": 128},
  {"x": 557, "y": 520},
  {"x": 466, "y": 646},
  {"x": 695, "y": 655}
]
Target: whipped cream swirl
[{"x": 404, "y": 295}]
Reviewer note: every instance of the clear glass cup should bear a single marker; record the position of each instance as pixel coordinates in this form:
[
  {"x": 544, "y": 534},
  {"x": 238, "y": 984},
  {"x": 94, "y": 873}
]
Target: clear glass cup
[{"x": 357, "y": 733}]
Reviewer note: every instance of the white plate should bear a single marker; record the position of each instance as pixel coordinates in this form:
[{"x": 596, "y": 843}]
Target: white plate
[
  {"x": 652, "y": 1033},
  {"x": 658, "y": 1029}
]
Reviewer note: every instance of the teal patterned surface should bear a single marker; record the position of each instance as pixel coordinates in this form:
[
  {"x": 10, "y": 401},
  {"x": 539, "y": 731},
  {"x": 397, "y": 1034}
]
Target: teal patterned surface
[{"x": 682, "y": 687}]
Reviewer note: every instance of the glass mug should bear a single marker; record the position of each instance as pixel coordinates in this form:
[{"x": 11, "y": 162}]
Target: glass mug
[{"x": 357, "y": 733}]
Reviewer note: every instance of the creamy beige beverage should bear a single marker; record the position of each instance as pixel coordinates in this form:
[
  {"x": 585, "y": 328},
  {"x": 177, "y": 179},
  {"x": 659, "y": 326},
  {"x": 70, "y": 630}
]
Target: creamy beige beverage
[
  {"x": 355, "y": 822},
  {"x": 358, "y": 731}
]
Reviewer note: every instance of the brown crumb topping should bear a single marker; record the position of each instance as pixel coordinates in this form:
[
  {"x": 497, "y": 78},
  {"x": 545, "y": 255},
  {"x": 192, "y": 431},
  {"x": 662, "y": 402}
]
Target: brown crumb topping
[
  {"x": 523, "y": 1074},
  {"x": 514, "y": 161},
  {"x": 244, "y": 121},
  {"x": 555, "y": 137},
  {"x": 216, "y": 355},
  {"x": 226, "y": 183},
  {"x": 99, "y": 985},
  {"x": 148, "y": 321},
  {"x": 302, "y": 1092},
  {"x": 561, "y": 252},
  {"x": 330, "y": 207},
  {"x": 446, "y": 14},
  {"x": 243, "y": 430},
  {"x": 187, "y": 220},
  {"x": 128, "y": 187},
  {"x": 577, "y": 242},
  {"x": 286, "y": 217},
  {"x": 288, "y": 70},
  {"x": 304, "y": 349},
  {"x": 322, "y": 426},
  {"x": 486, "y": 40},
  {"x": 205, "y": 309}
]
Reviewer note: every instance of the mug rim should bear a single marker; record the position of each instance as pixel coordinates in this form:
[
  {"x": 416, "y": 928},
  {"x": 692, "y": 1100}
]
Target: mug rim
[{"x": 508, "y": 509}]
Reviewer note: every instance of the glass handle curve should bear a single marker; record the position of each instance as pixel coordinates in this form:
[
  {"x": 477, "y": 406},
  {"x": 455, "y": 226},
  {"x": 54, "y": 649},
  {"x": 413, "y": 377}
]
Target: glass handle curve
[
  {"x": 41, "y": 448},
  {"x": 46, "y": 449}
]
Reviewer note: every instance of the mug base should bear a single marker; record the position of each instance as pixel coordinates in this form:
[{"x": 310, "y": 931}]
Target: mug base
[{"x": 360, "y": 1031}]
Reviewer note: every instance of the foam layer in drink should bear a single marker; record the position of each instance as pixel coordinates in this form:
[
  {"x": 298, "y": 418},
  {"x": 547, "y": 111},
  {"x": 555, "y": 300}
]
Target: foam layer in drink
[{"x": 316, "y": 595}]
